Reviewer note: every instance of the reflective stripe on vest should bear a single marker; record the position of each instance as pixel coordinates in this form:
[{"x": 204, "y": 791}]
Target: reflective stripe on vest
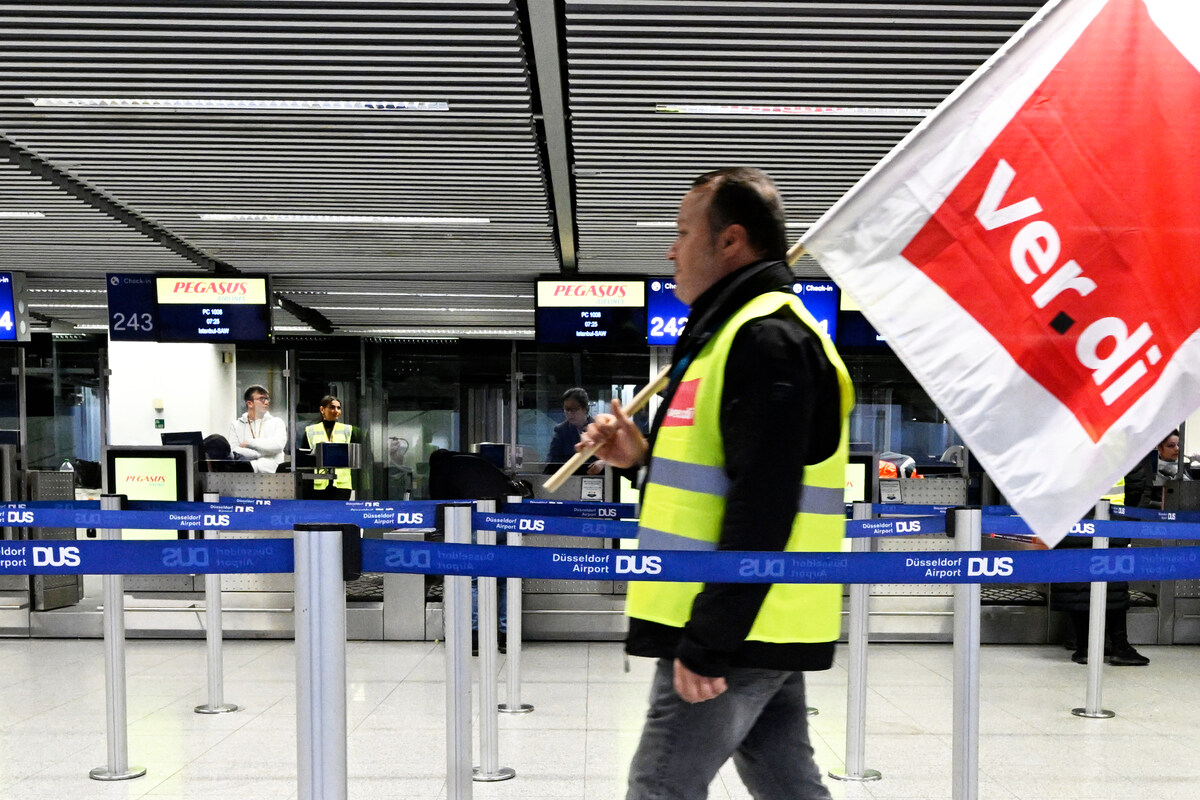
[
  {"x": 684, "y": 501},
  {"x": 690, "y": 477}
]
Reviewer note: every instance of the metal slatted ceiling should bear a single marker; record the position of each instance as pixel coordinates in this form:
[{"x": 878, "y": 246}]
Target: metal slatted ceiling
[
  {"x": 376, "y": 307},
  {"x": 478, "y": 159},
  {"x": 632, "y": 165},
  {"x": 71, "y": 238}
]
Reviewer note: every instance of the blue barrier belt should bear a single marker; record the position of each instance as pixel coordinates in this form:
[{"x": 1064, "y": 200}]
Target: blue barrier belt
[
  {"x": 560, "y": 508},
  {"x": 1143, "y": 563},
  {"x": 275, "y": 555},
  {"x": 912, "y": 510},
  {"x": 167, "y": 556},
  {"x": 1099, "y": 527},
  {"x": 1153, "y": 514},
  {"x": 233, "y": 515},
  {"x": 858, "y": 528},
  {"x": 555, "y": 526}
]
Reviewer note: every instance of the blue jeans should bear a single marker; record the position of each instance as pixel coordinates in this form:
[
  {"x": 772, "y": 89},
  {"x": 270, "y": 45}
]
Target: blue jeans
[{"x": 761, "y": 721}]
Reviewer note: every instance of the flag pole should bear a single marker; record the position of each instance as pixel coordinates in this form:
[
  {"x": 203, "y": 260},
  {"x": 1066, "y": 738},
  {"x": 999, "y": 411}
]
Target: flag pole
[
  {"x": 640, "y": 399},
  {"x": 794, "y": 254}
]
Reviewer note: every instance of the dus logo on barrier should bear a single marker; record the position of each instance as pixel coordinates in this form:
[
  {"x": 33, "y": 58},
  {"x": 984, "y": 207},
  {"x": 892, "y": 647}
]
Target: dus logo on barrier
[
  {"x": 417, "y": 559},
  {"x": 179, "y": 557},
  {"x": 1112, "y": 565},
  {"x": 761, "y": 568},
  {"x": 410, "y": 518},
  {"x": 1085, "y": 528},
  {"x": 55, "y": 556},
  {"x": 990, "y": 566},
  {"x": 531, "y": 525},
  {"x": 216, "y": 520},
  {"x": 639, "y": 565},
  {"x": 19, "y": 516},
  {"x": 908, "y": 526}
]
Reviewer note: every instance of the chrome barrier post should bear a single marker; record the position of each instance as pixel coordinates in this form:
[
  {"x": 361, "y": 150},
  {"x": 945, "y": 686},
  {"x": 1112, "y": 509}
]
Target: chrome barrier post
[
  {"x": 1095, "y": 663},
  {"x": 515, "y": 610},
  {"x": 968, "y": 537},
  {"x": 457, "y": 616},
  {"x": 320, "y": 663},
  {"x": 117, "y": 768},
  {"x": 856, "y": 697},
  {"x": 489, "y": 769},
  {"x": 214, "y": 634}
]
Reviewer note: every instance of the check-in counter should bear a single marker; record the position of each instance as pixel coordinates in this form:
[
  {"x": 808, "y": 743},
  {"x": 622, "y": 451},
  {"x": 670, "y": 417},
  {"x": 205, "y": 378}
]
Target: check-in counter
[{"x": 573, "y": 609}]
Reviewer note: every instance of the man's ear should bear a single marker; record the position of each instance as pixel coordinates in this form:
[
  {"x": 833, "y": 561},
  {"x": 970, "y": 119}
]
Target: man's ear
[{"x": 734, "y": 241}]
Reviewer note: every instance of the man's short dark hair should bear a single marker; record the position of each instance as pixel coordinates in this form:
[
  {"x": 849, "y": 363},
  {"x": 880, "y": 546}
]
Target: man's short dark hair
[
  {"x": 748, "y": 197},
  {"x": 327, "y": 400},
  {"x": 253, "y": 390},
  {"x": 577, "y": 394}
]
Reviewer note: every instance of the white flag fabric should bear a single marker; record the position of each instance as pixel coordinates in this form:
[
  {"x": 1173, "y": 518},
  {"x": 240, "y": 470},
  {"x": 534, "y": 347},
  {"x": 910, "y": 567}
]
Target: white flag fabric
[{"x": 1031, "y": 251}]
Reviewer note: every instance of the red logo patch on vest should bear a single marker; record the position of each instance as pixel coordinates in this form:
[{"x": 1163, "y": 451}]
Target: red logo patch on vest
[{"x": 682, "y": 410}]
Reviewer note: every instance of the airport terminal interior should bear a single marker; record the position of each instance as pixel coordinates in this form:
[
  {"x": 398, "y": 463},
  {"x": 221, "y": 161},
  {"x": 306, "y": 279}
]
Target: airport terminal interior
[{"x": 426, "y": 210}]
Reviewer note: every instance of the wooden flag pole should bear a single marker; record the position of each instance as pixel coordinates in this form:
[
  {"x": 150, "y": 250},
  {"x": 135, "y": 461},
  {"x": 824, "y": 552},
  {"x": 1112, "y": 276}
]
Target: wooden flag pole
[
  {"x": 639, "y": 400},
  {"x": 793, "y": 255}
]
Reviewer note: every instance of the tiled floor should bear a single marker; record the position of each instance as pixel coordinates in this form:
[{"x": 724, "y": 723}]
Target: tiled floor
[{"x": 578, "y": 741}]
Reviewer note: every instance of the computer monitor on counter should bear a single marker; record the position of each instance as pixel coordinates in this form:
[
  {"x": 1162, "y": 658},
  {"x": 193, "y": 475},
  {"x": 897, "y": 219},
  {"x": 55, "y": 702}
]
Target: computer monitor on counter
[
  {"x": 150, "y": 473},
  {"x": 862, "y": 478}
]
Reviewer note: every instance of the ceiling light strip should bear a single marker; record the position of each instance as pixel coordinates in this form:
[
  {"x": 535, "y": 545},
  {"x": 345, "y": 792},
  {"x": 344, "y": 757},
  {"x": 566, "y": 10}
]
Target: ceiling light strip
[
  {"x": 354, "y": 219},
  {"x": 804, "y": 111},
  {"x": 235, "y": 104}
]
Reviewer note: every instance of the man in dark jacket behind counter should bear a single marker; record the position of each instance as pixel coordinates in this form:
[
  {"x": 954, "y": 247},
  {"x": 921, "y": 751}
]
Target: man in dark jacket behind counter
[{"x": 748, "y": 453}]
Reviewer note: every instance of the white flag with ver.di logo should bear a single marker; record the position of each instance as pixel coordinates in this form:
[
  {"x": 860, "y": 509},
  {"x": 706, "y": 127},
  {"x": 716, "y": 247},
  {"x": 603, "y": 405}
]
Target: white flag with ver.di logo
[{"x": 1031, "y": 251}]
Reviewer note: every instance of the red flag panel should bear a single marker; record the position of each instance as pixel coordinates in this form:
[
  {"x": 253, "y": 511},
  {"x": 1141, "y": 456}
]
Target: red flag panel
[{"x": 1073, "y": 240}]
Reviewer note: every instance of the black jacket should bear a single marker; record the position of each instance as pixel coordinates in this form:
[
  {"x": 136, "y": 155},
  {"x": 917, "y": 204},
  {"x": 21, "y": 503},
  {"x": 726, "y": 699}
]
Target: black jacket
[{"x": 780, "y": 411}]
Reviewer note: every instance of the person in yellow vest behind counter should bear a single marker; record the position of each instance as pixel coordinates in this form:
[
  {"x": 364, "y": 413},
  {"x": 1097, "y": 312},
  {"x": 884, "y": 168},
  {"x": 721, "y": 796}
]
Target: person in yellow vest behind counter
[
  {"x": 329, "y": 429},
  {"x": 748, "y": 452}
]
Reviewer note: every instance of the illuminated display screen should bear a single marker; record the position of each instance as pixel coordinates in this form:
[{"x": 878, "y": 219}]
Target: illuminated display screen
[
  {"x": 666, "y": 315},
  {"x": 821, "y": 300},
  {"x": 856, "y": 483},
  {"x": 592, "y": 314},
  {"x": 149, "y": 308},
  {"x": 13, "y": 323},
  {"x": 854, "y": 330},
  {"x": 145, "y": 475},
  {"x": 146, "y": 478}
]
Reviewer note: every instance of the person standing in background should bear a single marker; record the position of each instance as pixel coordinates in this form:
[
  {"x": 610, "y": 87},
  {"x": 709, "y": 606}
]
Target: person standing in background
[
  {"x": 257, "y": 434},
  {"x": 575, "y": 404},
  {"x": 330, "y": 430}
]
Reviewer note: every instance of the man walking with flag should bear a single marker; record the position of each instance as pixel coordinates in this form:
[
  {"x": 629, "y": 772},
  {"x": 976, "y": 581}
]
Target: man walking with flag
[{"x": 748, "y": 452}]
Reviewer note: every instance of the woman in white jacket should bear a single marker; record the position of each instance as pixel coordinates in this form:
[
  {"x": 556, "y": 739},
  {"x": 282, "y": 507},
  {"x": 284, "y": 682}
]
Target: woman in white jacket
[{"x": 257, "y": 434}]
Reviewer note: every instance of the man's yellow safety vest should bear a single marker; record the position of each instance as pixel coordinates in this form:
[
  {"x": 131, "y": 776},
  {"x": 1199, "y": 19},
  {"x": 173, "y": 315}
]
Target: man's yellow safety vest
[
  {"x": 683, "y": 505},
  {"x": 341, "y": 435}
]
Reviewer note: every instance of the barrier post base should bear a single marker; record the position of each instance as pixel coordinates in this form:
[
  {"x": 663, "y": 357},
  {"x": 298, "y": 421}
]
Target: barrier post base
[
  {"x": 1103, "y": 713},
  {"x": 105, "y": 774},
  {"x": 502, "y": 774},
  {"x": 223, "y": 708},
  {"x": 505, "y": 708},
  {"x": 867, "y": 775}
]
